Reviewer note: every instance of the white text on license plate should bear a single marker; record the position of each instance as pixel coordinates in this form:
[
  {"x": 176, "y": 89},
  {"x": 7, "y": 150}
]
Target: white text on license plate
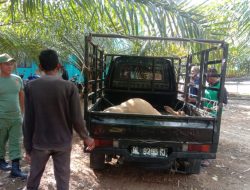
[{"x": 152, "y": 152}]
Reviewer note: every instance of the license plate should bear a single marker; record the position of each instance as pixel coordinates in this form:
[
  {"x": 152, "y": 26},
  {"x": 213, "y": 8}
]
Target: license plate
[{"x": 149, "y": 152}]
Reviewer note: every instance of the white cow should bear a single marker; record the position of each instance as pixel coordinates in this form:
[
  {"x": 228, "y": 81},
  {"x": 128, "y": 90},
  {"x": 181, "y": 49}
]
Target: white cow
[{"x": 134, "y": 105}]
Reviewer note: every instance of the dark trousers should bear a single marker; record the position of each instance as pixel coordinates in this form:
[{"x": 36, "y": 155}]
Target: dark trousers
[{"x": 61, "y": 162}]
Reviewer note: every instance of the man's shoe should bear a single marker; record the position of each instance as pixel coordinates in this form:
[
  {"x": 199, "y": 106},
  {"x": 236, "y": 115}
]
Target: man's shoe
[
  {"x": 16, "y": 171},
  {"x": 4, "y": 165}
]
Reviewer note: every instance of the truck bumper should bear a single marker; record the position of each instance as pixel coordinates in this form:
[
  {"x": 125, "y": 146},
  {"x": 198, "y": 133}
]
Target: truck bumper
[{"x": 171, "y": 157}]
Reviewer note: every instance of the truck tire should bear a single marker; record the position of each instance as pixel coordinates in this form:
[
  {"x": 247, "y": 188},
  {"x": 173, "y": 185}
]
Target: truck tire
[
  {"x": 189, "y": 166},
  {"x": 194, "y": 166},
  {"x": 97, "y": 161}
]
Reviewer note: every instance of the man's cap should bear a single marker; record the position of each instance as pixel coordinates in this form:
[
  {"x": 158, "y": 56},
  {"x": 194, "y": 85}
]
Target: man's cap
[{"x": 4, "y": 58}]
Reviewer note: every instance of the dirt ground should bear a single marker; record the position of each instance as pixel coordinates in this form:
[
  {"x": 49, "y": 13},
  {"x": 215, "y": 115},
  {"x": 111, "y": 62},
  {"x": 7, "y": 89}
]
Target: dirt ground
[{"x": 230, "y": 171}]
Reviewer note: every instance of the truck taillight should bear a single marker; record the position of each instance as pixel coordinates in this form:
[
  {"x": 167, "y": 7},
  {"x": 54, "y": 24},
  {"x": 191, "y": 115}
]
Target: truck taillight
[
  {"x": 103, "y": 143},
  {"x": 198, "y": 148}
]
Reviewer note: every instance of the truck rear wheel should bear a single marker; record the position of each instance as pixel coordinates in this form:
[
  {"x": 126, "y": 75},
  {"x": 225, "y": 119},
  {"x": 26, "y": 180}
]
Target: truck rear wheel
[
  {"x": 97, "y": 161},
  {"x": 194, "y": 166},
  {"x": 189, "y": 166}
]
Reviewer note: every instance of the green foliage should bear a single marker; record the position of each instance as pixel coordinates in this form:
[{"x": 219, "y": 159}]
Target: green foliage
[{"x": 29, "y": 26}]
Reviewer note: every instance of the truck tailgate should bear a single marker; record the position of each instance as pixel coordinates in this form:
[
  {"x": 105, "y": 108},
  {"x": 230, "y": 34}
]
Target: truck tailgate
[{"x": 150, "y": 127}]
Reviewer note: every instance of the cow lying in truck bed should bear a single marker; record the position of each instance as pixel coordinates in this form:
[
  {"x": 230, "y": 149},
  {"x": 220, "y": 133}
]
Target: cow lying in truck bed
[
  {"x": 134, "y": 105},
  {"x": 139, "y": 106}
]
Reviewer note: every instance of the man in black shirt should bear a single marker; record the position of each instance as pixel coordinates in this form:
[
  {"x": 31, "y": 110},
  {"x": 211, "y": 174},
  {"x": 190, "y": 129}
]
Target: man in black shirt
[{"x": 52, "y": 111}]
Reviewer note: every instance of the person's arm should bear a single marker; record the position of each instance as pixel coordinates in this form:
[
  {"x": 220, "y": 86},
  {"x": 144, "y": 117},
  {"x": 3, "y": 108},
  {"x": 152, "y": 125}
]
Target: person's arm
[
  {"x": 76, "y": 115},
  {"x": 77, "y": 119},
  {"x": 21, "y": 100},
  {"x": 28, "y": 122}
]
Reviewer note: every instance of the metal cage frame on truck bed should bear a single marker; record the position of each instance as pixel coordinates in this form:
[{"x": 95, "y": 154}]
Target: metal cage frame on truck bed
[{"x": 95, "y": 61}]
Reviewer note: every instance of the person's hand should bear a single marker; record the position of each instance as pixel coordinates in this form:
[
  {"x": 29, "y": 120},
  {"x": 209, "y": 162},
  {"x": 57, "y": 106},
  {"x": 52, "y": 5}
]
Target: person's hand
[
  {"x": 27, "y": 158},
  {"x": 90, "y": 143}
]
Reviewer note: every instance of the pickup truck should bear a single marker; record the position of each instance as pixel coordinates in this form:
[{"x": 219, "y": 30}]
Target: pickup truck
[{"x": 173, "y": 142}]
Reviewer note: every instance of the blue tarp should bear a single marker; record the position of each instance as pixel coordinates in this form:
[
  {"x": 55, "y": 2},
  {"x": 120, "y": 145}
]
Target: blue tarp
[{"x": 33, "y": 69}]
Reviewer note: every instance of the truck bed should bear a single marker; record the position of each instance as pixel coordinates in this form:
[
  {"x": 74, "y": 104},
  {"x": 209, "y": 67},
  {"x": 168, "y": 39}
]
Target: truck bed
[{"x": 170, "y": 128}]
